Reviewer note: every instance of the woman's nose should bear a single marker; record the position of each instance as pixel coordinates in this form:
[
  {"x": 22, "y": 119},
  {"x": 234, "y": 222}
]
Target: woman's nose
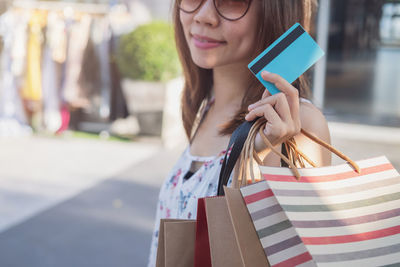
[{"x": 207, "y": 14}]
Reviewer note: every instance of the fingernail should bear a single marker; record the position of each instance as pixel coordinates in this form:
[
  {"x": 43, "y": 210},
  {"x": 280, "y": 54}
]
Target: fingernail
[
  {"x": 252, "y": 105},
  {"x": 265, "y": 72}
]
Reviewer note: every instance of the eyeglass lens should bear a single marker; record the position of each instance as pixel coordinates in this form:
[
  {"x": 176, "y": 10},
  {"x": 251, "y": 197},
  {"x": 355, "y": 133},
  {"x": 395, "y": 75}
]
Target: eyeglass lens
[{"x": 229, "y": 9}]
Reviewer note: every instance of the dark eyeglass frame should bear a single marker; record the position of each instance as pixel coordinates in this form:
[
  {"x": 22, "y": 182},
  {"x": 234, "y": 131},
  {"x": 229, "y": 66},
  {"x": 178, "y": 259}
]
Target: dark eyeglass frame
[{"x": 215, "y": 5}]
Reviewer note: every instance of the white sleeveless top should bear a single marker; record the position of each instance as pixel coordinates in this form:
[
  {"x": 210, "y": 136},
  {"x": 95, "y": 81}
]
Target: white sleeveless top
[{"x": 178, "y": 196}]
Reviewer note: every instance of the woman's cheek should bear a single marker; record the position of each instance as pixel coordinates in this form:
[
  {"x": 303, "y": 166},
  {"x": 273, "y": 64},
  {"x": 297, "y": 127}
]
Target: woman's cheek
[
  {"x": 242, "y": 38},
  {"x": 185, "y": 21}
]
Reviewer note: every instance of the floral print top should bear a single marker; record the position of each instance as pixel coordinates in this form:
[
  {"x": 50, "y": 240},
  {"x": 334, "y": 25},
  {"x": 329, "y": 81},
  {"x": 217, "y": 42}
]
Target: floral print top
[{"x": 178, "y": 196}]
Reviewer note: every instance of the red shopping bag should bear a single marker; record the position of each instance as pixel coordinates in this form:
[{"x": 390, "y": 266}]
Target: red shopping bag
[{"x": 202, "y": 256}]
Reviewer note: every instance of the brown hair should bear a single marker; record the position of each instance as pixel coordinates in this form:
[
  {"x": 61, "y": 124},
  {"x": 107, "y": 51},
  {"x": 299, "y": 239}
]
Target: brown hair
[{"x": 276, "y": 16}]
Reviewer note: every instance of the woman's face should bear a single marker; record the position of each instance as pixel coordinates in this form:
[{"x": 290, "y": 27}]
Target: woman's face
[{"x": 233, "y": 41}]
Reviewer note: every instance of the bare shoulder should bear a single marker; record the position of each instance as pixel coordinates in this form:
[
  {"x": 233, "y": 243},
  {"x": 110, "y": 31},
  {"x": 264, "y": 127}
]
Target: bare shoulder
[{"x": 313, "y": 121}]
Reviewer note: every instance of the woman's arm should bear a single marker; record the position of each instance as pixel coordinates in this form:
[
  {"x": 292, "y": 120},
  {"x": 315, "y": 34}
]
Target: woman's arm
[{"x": 314, "y": 122}]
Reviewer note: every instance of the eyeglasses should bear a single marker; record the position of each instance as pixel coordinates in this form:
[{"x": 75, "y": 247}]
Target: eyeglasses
[{"x": 228, "y": 9}]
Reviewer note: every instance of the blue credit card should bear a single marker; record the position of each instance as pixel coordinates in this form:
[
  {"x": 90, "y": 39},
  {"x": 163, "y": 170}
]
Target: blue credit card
[{"x": 289, "y": 56}]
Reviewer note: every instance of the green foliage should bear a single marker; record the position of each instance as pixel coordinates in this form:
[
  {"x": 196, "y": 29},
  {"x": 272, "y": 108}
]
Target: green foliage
[{"x": 149, "y": 53}]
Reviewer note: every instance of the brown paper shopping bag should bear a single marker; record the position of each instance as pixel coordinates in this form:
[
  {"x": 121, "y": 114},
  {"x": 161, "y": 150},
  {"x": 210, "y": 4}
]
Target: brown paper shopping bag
[
  {"x": 223, "y": 246},
  {"x": 176, "y": 243},
  {"x": 251, "y": 250},
  {"x": 232, "y": 239}
]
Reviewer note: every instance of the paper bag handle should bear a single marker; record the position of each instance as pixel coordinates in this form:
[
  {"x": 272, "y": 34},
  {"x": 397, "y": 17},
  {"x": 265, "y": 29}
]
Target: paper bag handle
[
  {"x": 249, "y": 153},
  {"x": 244, "y": 137}
]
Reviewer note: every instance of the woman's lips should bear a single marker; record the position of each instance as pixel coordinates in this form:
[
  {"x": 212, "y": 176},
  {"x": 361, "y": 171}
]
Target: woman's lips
[{"x": 204, "y": 42}]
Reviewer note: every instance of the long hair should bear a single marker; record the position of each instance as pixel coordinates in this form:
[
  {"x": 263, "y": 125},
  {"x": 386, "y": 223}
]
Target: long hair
[{"x": 275, "y": 17}]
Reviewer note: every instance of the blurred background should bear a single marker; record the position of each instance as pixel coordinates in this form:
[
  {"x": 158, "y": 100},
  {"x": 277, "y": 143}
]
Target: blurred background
[{"x": 90, "y": 120}]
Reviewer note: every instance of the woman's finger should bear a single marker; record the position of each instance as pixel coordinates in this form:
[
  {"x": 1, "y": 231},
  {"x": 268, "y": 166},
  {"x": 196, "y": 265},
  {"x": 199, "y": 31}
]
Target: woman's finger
[
  {"x": 265, "y": 100},
  {"x": 285, "y": 87},
  {"x": 279, "y": 102},
  {"x": 267, "y": 111},
  {"x": 275, "y": 128},
  {"x": 278, "y": 80}
]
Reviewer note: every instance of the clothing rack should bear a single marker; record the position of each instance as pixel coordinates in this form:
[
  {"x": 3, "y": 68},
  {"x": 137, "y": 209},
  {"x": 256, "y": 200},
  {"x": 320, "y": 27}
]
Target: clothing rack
[
  {"x": 53, "y": 105},
  {"x": 95, "y": 9}
]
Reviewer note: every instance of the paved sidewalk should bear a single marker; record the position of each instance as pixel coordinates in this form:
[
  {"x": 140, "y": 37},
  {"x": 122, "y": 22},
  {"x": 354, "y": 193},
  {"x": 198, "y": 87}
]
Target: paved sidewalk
[
  {"x": 37, "y": 173},
  {"x": 108, "y": 224},
  {"x": 79, "y": 202},
  {"x": 363, "y": 141}
]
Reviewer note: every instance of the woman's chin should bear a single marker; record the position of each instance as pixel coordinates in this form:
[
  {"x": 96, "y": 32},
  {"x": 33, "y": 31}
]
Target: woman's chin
[{"x": 203, "y": 63}]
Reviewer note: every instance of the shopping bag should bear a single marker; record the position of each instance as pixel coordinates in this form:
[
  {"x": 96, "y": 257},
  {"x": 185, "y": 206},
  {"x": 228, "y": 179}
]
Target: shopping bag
[
  {"x": 202, "y": 257},
  {"x": 176, "y": 243},
  {"x": 225, "y": 235},
  {"x": 329, "y": 216},
  {"x": 281, "y": 243},
  {"x": 251, "y": 251},
  {"x": 343, "y": 217}
]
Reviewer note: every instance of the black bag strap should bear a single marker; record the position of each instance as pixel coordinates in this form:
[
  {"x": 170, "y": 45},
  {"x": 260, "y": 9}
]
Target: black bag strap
[
  {"x": 285, "y": 153},
  {"x": 236, "y": 142}
]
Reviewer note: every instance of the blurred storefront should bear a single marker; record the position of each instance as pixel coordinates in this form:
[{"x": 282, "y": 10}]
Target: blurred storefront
[
  {"x": 58, "y": 68},
  {"x": 58, "y": 72},
  {"x": 362, "y": 81}
]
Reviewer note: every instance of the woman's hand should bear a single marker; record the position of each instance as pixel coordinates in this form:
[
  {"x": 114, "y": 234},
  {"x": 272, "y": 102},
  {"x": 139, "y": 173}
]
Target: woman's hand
[{"x": 280, "y": 110}]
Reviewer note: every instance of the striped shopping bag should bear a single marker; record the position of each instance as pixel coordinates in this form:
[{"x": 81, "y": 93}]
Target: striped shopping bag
[
  {"x": 343, "y": 217},
  {"x": 331, "y": 216},
  {"x": 282, "y": 245},
  {"x": 340, "y": 215}
]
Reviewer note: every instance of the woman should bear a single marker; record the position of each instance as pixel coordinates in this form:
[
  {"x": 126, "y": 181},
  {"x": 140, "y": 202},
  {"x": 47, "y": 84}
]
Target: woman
[{"x": 216, "y": 40}]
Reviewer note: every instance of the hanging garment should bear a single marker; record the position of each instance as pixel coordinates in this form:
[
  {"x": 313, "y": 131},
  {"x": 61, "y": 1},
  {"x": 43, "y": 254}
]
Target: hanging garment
[
  {"x": 13, "y": 27},
  {"x": 65, "y": 118},
  {"x": 118, "y": 106},
  {"x": 32, "y": 90},
  {"x": 90, "y": 77},
  {"x": 56, "y": 37},
  {"x": 19, "y": 46},
  {"x": 77, "y": 41},
  {"x": 51, "y": 106},
  {"x": 102, "y": 37}
]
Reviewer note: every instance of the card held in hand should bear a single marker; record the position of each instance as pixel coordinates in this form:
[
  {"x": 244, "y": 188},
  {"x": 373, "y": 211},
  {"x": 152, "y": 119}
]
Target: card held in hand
[{"x": 289, "y": 56}]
